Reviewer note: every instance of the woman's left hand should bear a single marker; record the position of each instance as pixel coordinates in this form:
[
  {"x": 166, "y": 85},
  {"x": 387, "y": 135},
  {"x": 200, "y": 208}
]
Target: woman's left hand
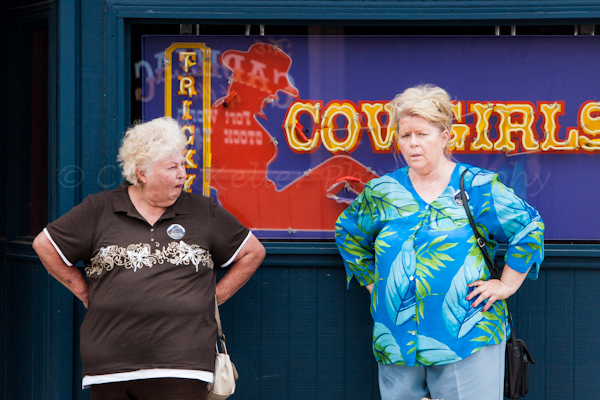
[
  {"x": 496, "y": 289},
  {"x": 492, "y": 290}
]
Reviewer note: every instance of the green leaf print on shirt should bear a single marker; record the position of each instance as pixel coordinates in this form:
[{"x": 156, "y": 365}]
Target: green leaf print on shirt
[
  {"x": 375, "y": 293},
  {"x": 430, "y": 256},
  {"x": 400, "y": 286},
  {"x": 433, "y": 352},
  {"x": 513, "y": 212},
  {"x": 459, "y": 317},
  {"x": 445, "y": 215},
  {"x": 493, "y": 326},
  {"x": 474, "y": 251},
  {"x": 380, "y": 243},
  {"x": 359, "y": 265},
  {"x": 392, "y": 199},
  {"x": 526, "y": 253},
  {"x": 385, "y": 347}
]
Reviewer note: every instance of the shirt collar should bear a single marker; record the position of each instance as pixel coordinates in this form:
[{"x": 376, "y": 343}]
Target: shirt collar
[{"x": 122, "y": 203}]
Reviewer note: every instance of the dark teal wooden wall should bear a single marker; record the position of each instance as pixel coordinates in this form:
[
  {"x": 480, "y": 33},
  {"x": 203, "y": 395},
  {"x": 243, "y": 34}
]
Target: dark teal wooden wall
[{"x": 294, "y": 331}]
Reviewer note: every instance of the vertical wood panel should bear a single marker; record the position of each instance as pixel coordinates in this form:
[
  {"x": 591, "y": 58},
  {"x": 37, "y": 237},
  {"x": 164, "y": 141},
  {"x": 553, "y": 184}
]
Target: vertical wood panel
[
  {"x": 29, "y": 318},
  {"x": 331, "y": 363},
  {"x": 358, "y": 338},
  {"x": 275, "y": 343},
  {"x": 530, "y": 313},
  {"x": 587, "y": 341},
  {"x": 303, "y": 352},
  {"x": 241, "y": 318},
  {"x": 78, "y": 392},
  {"x": 93, "y": 107},
  {"x": 3, "y": 327},
  {"x": 560, "y": 335}
]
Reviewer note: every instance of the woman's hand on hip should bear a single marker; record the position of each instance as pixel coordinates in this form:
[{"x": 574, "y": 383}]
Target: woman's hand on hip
[
  {"x": 369, "y": 287},
  {"x": 492, "y": 290},
  {"x": 496, "y": 289}
]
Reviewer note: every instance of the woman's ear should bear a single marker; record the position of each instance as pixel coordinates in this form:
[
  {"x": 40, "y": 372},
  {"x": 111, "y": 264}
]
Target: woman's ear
[
  {"x": 141, "y": 174},
  {"x": 445, "y": 138}
]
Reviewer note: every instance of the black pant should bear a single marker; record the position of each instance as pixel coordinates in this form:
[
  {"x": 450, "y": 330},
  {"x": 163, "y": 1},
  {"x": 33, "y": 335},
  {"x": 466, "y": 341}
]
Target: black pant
[{"x": 152, "y": 389}]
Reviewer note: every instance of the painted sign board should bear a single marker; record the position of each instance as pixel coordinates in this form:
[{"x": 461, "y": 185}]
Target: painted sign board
[{"x": 285, "y": 131}]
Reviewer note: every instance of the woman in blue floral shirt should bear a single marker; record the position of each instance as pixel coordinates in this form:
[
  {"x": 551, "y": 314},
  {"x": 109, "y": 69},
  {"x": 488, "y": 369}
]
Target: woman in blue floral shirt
[{"x": 439, "y": 319}]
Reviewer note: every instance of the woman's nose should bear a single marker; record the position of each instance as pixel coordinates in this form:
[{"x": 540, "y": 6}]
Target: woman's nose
[{"x": 413, "y": 140}]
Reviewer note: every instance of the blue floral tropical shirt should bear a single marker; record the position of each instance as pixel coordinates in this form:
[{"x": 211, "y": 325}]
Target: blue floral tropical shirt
[{"x": 421, "y": 257}]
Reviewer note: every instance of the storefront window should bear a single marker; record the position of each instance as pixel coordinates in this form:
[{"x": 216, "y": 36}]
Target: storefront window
[{"x": 285, "y": 130}]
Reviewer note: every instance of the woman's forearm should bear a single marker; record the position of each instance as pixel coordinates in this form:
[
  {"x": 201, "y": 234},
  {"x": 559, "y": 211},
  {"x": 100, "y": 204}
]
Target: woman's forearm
[
  {"x": 70, "y": 277},
  {"x": 241, "y": 270},
  {"x": 512, "y": 279}
]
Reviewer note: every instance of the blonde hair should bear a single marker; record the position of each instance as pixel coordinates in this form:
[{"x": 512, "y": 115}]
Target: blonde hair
[
  {"x": 430, "y": 102},
  {"x": 145, "y": 144}
]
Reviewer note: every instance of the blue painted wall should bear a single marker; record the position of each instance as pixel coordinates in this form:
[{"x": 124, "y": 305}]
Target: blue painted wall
[{"x": 294, "y": 331}]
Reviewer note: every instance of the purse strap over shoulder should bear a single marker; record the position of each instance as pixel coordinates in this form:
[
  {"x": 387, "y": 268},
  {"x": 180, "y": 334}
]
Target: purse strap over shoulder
[
  {"x": 218, "y": 318},
  {"x": 220, "y": 334},
  {"x": 481, "y": 243}
]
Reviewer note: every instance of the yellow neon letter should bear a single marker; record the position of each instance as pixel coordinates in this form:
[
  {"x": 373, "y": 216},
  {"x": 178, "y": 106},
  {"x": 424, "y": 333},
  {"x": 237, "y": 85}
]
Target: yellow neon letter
[
  {"x": 551, "y": 112},
  {"x": 507, "y": 126},
  {"x": 189, "y": 180},
  {"x": 589, "y": 121},
  {"x": 191, "y": 129},
  {"x": 289, "y": 126},
  {"x": 189, "y": 163},
  {"x": 328, "y": 135},
  {"x": 459, "y": 130},
  {"x": 482, "y": 125},
  {"x": 189, "y": 59},
  {"x": 186, "y": 109},
  {"x": 372, "y": 111},
  {"x": 186, "y": 84},
  {"x": 391, "y": 127}
]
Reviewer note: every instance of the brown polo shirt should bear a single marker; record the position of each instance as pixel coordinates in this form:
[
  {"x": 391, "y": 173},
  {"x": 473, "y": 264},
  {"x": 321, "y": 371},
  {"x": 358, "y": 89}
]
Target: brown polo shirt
[{"x": 151, "y": 287}]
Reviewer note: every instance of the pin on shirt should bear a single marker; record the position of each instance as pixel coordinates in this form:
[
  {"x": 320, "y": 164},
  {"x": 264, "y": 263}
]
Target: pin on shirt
[
  {"x": 458, "y": 199},
  {"x": 176, "y": 231}
]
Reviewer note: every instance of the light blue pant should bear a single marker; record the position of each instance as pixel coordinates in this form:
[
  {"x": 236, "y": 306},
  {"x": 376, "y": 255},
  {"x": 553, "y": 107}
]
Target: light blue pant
[{"x": 479, "y": 376}]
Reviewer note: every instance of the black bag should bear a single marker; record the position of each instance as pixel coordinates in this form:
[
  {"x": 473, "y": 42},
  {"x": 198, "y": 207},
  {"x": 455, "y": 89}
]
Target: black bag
[
  {"x": 517, "y": 357},
  {"x": 516, "y": 374}
]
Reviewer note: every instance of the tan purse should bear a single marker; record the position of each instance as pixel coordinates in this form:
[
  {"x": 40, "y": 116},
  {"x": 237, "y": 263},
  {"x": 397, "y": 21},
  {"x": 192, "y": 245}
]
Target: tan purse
[{"x": 225, "y": 373}]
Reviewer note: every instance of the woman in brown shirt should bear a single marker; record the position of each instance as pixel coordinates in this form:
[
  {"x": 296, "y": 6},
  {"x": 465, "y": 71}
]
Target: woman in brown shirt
[{"x": 149, "y": 250}]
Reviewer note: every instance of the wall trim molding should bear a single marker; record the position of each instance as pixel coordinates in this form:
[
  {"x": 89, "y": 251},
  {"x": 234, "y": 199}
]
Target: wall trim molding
[
  {"x": 325, "y": 254},
  {"x": 298, "y": 12}
]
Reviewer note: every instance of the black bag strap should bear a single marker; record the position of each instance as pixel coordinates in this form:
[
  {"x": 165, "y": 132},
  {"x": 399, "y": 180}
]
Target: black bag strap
[{"x": 481, "y": 243}]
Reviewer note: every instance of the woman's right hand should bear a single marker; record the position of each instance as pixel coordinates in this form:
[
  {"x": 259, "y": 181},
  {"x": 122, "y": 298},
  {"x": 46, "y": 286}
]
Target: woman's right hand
[{"x": 369, "y": 287}]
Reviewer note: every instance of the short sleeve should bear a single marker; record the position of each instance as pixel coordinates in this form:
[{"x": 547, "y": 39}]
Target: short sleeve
[
  {"x": 228, "y": 235},
  {"x": 513, "y": 221},
  {"x": 355, "y": 231},
  {"x": 72, "y": 234}
]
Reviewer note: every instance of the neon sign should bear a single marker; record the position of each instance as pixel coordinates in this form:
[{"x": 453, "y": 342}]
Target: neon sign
[
  {"x": 284, "y": 132},
  {"x": 514, "y": 119}
]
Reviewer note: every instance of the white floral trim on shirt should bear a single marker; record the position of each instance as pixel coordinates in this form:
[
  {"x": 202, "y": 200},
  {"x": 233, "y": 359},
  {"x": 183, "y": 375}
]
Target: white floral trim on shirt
[{"x": 137, "y": 256}]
